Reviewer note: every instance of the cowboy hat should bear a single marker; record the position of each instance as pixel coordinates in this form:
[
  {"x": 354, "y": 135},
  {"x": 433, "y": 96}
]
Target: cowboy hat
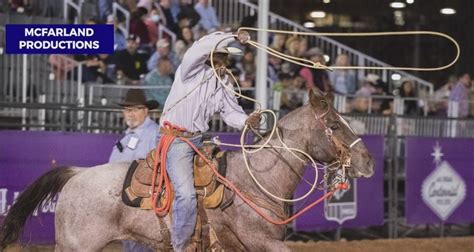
[
  {"x": 135, "y": 97},
  {"x": 315, "y": 51},
  {"x": 230, "y": 50}
]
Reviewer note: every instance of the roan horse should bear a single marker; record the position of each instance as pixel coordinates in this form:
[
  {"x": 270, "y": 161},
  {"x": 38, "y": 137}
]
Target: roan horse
[{"x": 90, "y": 212}]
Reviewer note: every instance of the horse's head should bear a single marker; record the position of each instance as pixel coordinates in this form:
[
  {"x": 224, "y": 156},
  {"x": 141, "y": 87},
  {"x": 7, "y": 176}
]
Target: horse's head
[{"x": 337, "y": 142}]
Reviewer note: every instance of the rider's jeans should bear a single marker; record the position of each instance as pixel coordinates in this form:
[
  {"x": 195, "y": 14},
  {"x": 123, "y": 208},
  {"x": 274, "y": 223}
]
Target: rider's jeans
[{"x": 180, "y": 170}]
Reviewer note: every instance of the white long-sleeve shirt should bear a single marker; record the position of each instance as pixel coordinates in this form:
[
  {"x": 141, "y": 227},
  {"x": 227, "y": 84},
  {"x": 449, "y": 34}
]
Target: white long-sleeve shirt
[{"x": 205, "y": 96}]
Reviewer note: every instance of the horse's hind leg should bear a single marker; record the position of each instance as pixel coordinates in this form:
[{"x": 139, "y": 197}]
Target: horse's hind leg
[
  {"x": 269, "y": 245},
  {"x": 87, "y": 247},
  {"x": 83, "y": 230},
  {"x": 83, "y": 243}
]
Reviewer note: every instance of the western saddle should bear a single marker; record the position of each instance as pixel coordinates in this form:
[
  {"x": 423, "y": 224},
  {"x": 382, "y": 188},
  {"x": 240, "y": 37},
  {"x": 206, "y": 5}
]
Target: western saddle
[{"x": 137, "y": 190}]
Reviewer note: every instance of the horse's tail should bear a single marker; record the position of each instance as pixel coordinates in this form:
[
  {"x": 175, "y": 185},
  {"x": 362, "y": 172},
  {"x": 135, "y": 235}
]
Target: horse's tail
[{"x": 44, "y": 188}]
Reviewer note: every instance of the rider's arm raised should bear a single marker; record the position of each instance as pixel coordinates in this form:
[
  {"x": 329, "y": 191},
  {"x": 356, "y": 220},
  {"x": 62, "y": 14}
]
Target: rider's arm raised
[{"x": 195, "y": 58}]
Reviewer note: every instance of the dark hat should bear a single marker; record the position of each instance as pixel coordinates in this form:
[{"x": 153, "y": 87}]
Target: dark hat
[{"x": 136, "y": 97}]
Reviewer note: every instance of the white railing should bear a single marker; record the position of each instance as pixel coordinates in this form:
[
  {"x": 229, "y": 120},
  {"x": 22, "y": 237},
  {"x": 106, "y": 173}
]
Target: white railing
[
  {"x": 163, "y": 30},
  {"x": 231, "y": 12},
  {"x": 424, "y": 106},
  {"x": 125, "y": 25},
  {"x": 76, "y": 6}
]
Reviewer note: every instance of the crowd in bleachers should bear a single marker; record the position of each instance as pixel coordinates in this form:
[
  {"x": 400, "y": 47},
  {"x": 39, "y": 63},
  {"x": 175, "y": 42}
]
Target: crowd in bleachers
[{"x": 148, "y": 57}]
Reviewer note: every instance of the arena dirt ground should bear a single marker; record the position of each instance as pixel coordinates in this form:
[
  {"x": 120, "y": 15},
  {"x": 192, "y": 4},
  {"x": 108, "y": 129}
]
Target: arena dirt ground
[{"x": 464, "y": 244}]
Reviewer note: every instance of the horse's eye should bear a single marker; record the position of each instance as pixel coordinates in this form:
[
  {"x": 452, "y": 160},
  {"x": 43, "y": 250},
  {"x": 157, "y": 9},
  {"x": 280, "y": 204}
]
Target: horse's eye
[{"x": 334, "y": 127}]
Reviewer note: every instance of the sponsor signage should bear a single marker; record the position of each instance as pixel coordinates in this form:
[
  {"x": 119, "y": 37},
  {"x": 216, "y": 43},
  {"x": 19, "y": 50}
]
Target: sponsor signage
[
  {"x": 437, "y": 175},
  {"x": 360, "y": 206}
]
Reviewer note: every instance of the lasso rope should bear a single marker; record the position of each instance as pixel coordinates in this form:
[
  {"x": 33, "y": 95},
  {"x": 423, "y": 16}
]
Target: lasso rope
[
  {"x": 311, "y": 64},
  {"x": 245, "y": 151},
  {"x": 307, "y": 63},
  {"x": 254, "y": 206}
]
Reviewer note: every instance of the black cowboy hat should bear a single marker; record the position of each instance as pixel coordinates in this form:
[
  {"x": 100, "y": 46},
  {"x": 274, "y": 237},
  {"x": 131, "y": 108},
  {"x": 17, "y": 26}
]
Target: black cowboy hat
[{"x": 136, "y": 97}]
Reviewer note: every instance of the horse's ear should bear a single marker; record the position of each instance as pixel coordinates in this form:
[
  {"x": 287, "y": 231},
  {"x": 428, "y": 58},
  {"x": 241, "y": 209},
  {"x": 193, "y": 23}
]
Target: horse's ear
[
  {"x": 316, "y": 97},
  {"x": 329, "y": 97}
]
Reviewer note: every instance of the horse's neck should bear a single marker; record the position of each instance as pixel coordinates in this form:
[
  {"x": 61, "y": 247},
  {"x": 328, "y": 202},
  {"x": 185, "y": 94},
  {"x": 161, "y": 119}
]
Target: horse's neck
[{"x": 277, "y": 170}]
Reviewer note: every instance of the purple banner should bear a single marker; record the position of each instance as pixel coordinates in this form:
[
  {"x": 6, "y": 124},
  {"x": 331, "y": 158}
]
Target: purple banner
[
  {"x": 361, "y": 206},
  {"x": 28, "y": 155},
  {"x": 24, "y": 156},
  {"x": 438, "y": 176}
]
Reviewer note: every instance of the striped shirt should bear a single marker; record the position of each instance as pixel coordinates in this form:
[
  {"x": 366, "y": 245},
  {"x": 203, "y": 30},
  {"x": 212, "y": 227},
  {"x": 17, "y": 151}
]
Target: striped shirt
[{"x": 196, "y": 94}]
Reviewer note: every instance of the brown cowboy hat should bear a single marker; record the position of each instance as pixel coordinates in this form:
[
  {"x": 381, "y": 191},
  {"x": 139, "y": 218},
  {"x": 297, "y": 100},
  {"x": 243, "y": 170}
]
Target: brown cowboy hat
[{"x": 136, "y": 97}]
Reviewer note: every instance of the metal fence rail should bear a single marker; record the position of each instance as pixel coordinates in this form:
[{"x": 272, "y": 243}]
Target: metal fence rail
[
  {"x": 67, "y": 118},
  {"x": 97, "y": 114},
  {"x": 124, "y": 26},
  {"x": 76, "y": 6}
]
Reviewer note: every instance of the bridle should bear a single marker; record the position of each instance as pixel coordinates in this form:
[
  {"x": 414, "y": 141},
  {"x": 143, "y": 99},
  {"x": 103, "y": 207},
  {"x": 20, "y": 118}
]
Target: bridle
[{"x": 343, "y": 158}]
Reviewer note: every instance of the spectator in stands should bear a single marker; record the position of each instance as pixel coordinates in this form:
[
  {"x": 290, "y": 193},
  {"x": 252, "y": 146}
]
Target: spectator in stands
[
  {"x": 367, "y": 87},
  {"x": 45, "y": 8},
  {"x": 360, "y": 104},
  {"x": 94, "y": 68},
  {"x": 188, "y": 16},
  {"x": 343, "y": 81},
  {"x": 61, "y": 65},
  {"x": 292, "y": 45},
  {"x": 165, "y": 6},
  {"x": 152, "y": 22},
  {"x": 162, "y": 50},
  {"x": 380, "y": 103},
  {"x": 147, "y": 4},
  {"x": 130, "y": 5},
  {"x": 471, "y": 99},
  {"x": 120, "y": 42},
  {"x": 459, "y": 94},
  {"x": 274, "y": 68},
  {"x": 130, "y": 64},
  {"x": 441, "y": 96},
  {"x": 293, "y": 93},
  {"x": 105, "y": 9},
  {"x": 316, "y": 77},
  {"x": 175, "y": 9},
  {"x": 18, "y": 5},
  {"x": 141, "y": 136},
  {"x": 406, "y": 90},
  {"x": 247, "y": 84},
  {"x": 185, "y": 41},
  {"x": 247, "y": 65},
  {"x": 278, "y": 42},
  {"x": 292, "y": 49},
  {"x": 161, "y": 77},
  {"x": 209, "y": 22},
  {"x": 142, "y": 133},
  {"x": 302, "y": 47},
  {"x": 138, "y": 26}
]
